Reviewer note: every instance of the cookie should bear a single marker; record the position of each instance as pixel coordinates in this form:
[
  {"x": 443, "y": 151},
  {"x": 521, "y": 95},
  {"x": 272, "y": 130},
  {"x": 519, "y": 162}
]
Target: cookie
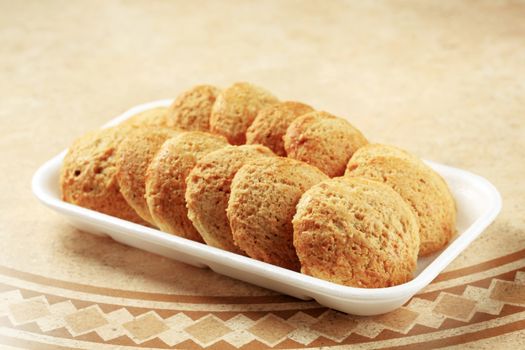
[
  {"x": 88, "y": 177},
  {"x": 264, "y": 193},
  {"x": 235, "y": 109},
  {"x": 373, "y": 150},
  {"x": 157, "y": 116},
  {"x": 166, "y": 180},
  {"x": 356, "y": 232},
  {"x": 418, "y": 184},
  {"x": 323, "y": 140},
  {"x": 271, "y": 123},
  {"x": 208, "y": 191},
  {"x": 192, "y": 109},
  {"x": 133, "y": 157}
]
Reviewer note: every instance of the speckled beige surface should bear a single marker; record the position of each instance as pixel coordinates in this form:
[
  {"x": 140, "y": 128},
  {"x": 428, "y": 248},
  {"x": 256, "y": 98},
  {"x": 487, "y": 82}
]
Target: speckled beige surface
[{"x": 444, "y": 80}]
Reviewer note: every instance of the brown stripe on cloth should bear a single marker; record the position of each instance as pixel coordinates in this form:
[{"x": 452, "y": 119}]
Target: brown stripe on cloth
[{"x": 228, "y": 299}]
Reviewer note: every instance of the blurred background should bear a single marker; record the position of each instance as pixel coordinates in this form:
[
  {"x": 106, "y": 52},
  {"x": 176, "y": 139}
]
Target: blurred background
[{"x": 429, "y": 69}]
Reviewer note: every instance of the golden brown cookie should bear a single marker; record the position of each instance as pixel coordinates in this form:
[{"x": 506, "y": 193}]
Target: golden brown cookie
[
  {"x": 208, "y": 190},
  {"x": 157, "y": 116},
  {"x": 323, "y": 140},
  {"x": 192, "y": 109},
  {"x": 166, "y": 180},
  {"x": 356, "y": 232},
  {"x": 373, "y": 150},
  {"x": 271, "y": 123},
  {"x": 235, "y": 109},
  {"x": 418, "y": 184},
  {"x": 88, "y": 174},
  {"x": 264, "y": 193},
  {"x": 133, "y": 157}
]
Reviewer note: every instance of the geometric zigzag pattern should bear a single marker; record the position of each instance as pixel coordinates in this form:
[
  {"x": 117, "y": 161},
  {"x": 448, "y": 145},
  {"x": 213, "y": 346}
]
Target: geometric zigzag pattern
[{"x": 271, "y": 330}]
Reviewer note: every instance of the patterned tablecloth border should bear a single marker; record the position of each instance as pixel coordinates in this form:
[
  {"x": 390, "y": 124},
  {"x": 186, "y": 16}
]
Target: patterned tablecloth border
[{"x": 462, "y": 305}]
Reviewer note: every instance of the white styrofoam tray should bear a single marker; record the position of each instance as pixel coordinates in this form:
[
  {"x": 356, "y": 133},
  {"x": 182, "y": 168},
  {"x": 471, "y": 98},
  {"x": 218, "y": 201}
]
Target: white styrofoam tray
[{"x": 478, "y": 203}]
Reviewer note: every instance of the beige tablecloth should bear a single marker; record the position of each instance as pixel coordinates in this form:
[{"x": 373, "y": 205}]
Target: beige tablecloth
[{"x": 445, "y": 80}]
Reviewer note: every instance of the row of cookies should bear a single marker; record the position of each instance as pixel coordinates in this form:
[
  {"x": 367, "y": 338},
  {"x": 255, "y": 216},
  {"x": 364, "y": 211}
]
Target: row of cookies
[
  {"x": 296, "y": 130},
  {"x": 246, "y": 114},
  {"x": 149, "y": 171}
]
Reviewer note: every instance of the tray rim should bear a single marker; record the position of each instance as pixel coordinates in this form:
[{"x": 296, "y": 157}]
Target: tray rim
[{"x": 281, "y": 275}]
